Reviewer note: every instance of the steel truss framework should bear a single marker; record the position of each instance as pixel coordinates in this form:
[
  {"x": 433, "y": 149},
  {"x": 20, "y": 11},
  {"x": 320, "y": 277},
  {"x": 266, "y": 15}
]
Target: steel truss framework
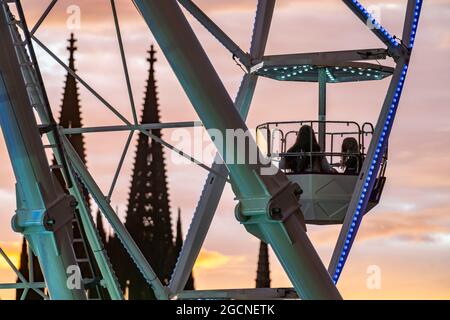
[{"x": 268, "y": 205}]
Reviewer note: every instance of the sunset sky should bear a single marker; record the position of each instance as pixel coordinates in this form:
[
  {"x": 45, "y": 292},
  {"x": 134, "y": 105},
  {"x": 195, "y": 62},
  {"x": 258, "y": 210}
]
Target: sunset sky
[{"x": 407, "y": 235}]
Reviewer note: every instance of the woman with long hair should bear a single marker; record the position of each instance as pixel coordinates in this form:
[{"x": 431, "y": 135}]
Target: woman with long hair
[{"x": 306, "y": 143}]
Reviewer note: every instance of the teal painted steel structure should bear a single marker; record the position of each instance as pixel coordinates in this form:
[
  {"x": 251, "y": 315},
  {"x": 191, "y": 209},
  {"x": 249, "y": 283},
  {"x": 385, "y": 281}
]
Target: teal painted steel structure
[
  {"x": 268, "y": 204},
  {"x": 213, "y": 188},
  {"x": 44, "y": 212}
]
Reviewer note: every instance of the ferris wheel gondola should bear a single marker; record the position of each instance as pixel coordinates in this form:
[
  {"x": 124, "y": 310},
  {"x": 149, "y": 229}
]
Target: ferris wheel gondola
[{"x": 326, "y": 194}]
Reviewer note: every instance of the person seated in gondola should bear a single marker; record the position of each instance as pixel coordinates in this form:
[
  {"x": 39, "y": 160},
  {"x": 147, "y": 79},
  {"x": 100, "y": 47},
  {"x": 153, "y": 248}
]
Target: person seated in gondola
[
  {"x": 305, "y": 144},
  {"x": 351, "y": 159}
]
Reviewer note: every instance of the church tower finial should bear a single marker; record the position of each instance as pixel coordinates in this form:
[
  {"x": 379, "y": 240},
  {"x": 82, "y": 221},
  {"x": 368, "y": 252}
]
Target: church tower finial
[
  {"x": 152, "y": 58},
  {"x": 72, "y": 48},
  {"x": 70, "y": 116}
]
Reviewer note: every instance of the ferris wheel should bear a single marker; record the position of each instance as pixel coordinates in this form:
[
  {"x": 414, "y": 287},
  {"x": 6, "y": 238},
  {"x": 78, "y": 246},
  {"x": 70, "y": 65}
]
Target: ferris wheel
[{"x": 273, "y": 207}]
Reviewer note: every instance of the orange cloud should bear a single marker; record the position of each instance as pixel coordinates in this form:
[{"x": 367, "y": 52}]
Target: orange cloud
[
  {"x": 7, "y": 275},
  {"x": 214, "y": 260},
  {"x": 12, "y": 250},
  {"x": 425, "y": 225}
]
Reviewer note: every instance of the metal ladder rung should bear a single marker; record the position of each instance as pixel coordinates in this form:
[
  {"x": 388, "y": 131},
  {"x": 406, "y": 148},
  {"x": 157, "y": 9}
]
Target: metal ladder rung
[
  {"x": 30, "y": 85},
  {"x": 20, "y": 44},
  {"x": 50, "y": 146},
  {"x": 36, "y": 105},
  {"x": 90, "y": 280},
  {"x": 45, "y": 128},
  {"x": 13, "y": 22},
  {"x": 55, "y": 166},
  {"x": 77, "y": 240},
  {"x": 83, "y": 260},
  {"x": 26, "y": 64}
]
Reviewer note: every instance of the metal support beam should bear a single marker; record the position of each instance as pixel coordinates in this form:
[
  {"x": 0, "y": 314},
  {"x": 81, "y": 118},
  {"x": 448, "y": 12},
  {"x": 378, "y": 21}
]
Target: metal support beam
[
  {"x": 268, "y": 203},
  {"x": 124, "y": 62},
  {"x": 213, "y": 188},
  {"x": 330, "y": 58},
  {"x": 377, "y": 148},
  {"x": 36, "y": 96},
  {"x": 366, "y": 180},
  {"x": 214, "y": 29},
  {"x": 109, "y": 278},
  {"x": 208, "y": 202},
  {"x": 202, "y": 85},
  {"x": 322, "y": 107},
  {"x": 261, "y": 29},
  {"x": 21, "y": 285},
  {"x": 140, "y": 127},
  {"x": 411, "y": 23},
  {"x": 51, "y": 123},
  {"x": 119, "y": 166},
  {"x": 44, "y": 213},
  {"x": 105, "y": 207}
]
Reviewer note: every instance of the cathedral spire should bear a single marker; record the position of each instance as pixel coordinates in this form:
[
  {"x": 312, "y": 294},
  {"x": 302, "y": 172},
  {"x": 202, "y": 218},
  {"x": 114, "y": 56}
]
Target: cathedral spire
[
  {"x": 150, "y": 114},
  {"x": 152, "y": 58},
  {"x": 70, "y": 116},
  {"x": 179, "y": 236},
  {"x": 178, "y": 246},
  {"x": 148, "y": 213},
  {"x": 263, "y": 272}
]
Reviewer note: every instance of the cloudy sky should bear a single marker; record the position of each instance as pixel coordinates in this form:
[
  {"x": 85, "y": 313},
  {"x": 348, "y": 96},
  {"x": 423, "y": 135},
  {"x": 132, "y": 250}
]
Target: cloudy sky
[{"x": 407, "y": 236}]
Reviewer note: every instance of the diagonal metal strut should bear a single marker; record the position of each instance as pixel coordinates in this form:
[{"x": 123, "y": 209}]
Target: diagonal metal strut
[{"x": 268, "y": 205}]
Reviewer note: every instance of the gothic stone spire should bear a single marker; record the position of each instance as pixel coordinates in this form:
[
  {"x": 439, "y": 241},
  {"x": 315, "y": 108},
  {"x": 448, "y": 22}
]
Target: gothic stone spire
[
  {"x": 178, "y": 247},
  {"x": 263, "y": 272},
  {"x": 148, "y": 213},
  {"x": 70, "y": 116}
]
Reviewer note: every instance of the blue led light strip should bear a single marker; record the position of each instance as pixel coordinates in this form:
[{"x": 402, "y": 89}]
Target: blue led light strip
[
  {"x": 371, "y": 176},
  {"x": 376, "y": 161},
  {"x": 415, "y": 22},
  {"x": 369, "y": 18}
]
